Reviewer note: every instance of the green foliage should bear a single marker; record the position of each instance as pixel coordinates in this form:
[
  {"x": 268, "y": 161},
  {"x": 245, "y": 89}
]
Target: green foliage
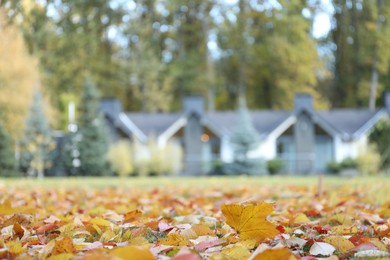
[
  {"x": 361, "y": 35},
  {"x": 274, "y": 166},
  {"x": 36, "y": 144},
  {"x": 7, "y": 157},
  {"x": 93, "y": 146},
  {"x": 347, "y": 163},
  {"x": 381, "y": 138},
  {"x": 334, "y": 167}
]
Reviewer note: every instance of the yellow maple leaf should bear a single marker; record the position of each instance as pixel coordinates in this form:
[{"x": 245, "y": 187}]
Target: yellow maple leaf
[
  {"x": 175, "y": 239},
  {"x": 275, "y": 254},
  {"x": 250, "y": 221},
  {"x": 100, "y": 222},
  {"x": 15, "y": 248},
  {"x": 236, "y": 252},
  {"x": 301, "y": 218},
  {"x": 64, "y": 245},
  {"x": 340, "y": 243},
  {"x": 132, "y": 253},
  {"x": 344, "y": 230}
]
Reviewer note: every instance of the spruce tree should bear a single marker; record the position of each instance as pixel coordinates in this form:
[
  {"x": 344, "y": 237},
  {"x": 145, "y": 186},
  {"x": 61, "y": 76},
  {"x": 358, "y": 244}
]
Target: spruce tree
[
  {"x": 7, "y": 158},
  {"x": 244, "y": 139},
  {"x": 93, "y": 145},
  {"x": 37, "y": 143}
]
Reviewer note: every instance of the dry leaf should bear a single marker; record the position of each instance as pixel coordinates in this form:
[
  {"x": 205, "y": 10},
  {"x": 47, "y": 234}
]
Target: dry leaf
[
  {"x": 276, "y": 254},
  {"x": 321, "y": 248},
  {"x": 132, "y": 253},
  {"x": 340, "y": 243},
  {"x": 250, "y": 221}
]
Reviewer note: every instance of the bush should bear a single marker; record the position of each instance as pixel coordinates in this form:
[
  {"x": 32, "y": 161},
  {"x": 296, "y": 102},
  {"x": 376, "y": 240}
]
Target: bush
[
  {"x": 274, "y": 166},
  {"x": 334, "y": 167},
  {"x": 381, "y": 137},
  {"x": 347, "y": 163},
  {"x": 369, "y": 161},
  {"x": 120, "y": 158},
  {"x": 156, "y": 160}
]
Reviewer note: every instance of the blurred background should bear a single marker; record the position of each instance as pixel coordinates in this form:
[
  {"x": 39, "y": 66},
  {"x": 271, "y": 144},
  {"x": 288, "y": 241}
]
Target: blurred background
[{"x": 151, "y": 54}]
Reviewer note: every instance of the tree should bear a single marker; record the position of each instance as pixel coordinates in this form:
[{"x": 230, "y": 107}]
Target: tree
[
  {"x": 18, "y": 71},
  {"x": 244, "y": 139},
  {"x": 7, "y": 156},
  {"x": 268, "y": 54},
  {"x": 37, "y": 142},
  {"x": 361, "y": 36},
  {"x": 93, "y": 146},
  {"x": 381, "y": 138}
]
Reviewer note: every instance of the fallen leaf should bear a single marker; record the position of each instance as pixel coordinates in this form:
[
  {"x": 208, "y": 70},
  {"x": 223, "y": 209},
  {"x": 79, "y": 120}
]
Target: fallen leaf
[
  {"x": 276, "y": 254},
  {"x": 301, "y": 218},
  {"x": 175, "y": 239},
  {"x": 340, "y": 243},
  {"x": 132, "y": 215},
  {"x": 64, "y": 245},
  {"x": 321, "y": 248},
  {"x": 250, "y": 221},
  {"x": 132, "y": 253}
]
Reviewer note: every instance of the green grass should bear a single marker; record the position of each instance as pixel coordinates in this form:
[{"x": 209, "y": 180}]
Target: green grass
[{"x": 153, "y": 182}]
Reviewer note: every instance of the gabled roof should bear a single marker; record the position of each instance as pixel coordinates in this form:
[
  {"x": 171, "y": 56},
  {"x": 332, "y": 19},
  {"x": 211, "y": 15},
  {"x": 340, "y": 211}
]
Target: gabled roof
[
  {"x": 351, "y": 122},
  {"x": 264, "y": 121},
  {"x": 153, "y": 123},
  {"x": 348, "y": 123}
]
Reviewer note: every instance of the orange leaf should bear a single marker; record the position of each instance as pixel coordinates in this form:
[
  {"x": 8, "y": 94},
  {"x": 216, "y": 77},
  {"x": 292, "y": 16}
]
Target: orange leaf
[
  {"x": 132, "y": 215},
  {"x": 64, "y": 245},
  {"x": 276, "y": 254},
  {"x": 132, "y": 253},
  {"x": 250, "y": 221},
  {"x": 19, "y": 231}
]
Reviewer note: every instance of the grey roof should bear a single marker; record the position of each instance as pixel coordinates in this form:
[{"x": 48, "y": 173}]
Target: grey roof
[
  {"x": 153, "y": 123},
  {"x": 264, "y": 121},
  {"x": 348, "y": 121}
]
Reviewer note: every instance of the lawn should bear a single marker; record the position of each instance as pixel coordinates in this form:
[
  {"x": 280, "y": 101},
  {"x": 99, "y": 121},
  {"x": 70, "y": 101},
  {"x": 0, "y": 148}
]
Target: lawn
[{"x": 198, "y": 217}]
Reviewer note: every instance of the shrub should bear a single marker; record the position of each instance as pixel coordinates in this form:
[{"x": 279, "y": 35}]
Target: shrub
[
  {"x": 347, "y": 163},
  {"x": 274, "y": 166},
  {"x": 120, "y": 158},
  {"x": 369, "y": 161},
  {"x": 334, "y": 167},
  {"x": 157, "y": 160},
  {"x": 381, "y": 137}
]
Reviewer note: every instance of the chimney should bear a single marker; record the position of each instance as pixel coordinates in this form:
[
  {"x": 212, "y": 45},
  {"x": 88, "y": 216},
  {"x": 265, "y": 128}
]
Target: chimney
[
  {"x": 193, "y": 104},
  {"x": 387, "y": 101},
  {"x": 303, "y": 101},
  {"x": 110, "y": 107}
]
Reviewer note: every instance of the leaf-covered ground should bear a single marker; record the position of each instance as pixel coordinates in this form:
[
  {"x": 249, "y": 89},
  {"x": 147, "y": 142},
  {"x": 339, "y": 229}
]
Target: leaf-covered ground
[{"x": 227, "y": 218}]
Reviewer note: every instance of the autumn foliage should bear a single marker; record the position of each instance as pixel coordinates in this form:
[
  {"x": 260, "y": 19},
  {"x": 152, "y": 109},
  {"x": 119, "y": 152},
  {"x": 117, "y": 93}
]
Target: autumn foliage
[{"x": 192, "y": 222}]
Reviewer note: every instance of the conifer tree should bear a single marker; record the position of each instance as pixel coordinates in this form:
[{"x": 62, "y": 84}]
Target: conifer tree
[
  {"x": 7, "y": 158},
  {"x": 244, "y": 139},
  {"x": 37, "y": 142},
  {"x": 93, "y": 145}
]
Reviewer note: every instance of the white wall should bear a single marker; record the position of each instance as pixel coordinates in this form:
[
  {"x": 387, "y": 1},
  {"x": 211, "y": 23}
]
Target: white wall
[
  {"x": 266, "y": 149},
  {"x": 349, "y": 149}
]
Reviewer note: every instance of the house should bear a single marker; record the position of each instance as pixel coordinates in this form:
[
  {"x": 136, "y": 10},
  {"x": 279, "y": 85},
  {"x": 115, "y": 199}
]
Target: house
[{"x": 305, "y": 139}]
